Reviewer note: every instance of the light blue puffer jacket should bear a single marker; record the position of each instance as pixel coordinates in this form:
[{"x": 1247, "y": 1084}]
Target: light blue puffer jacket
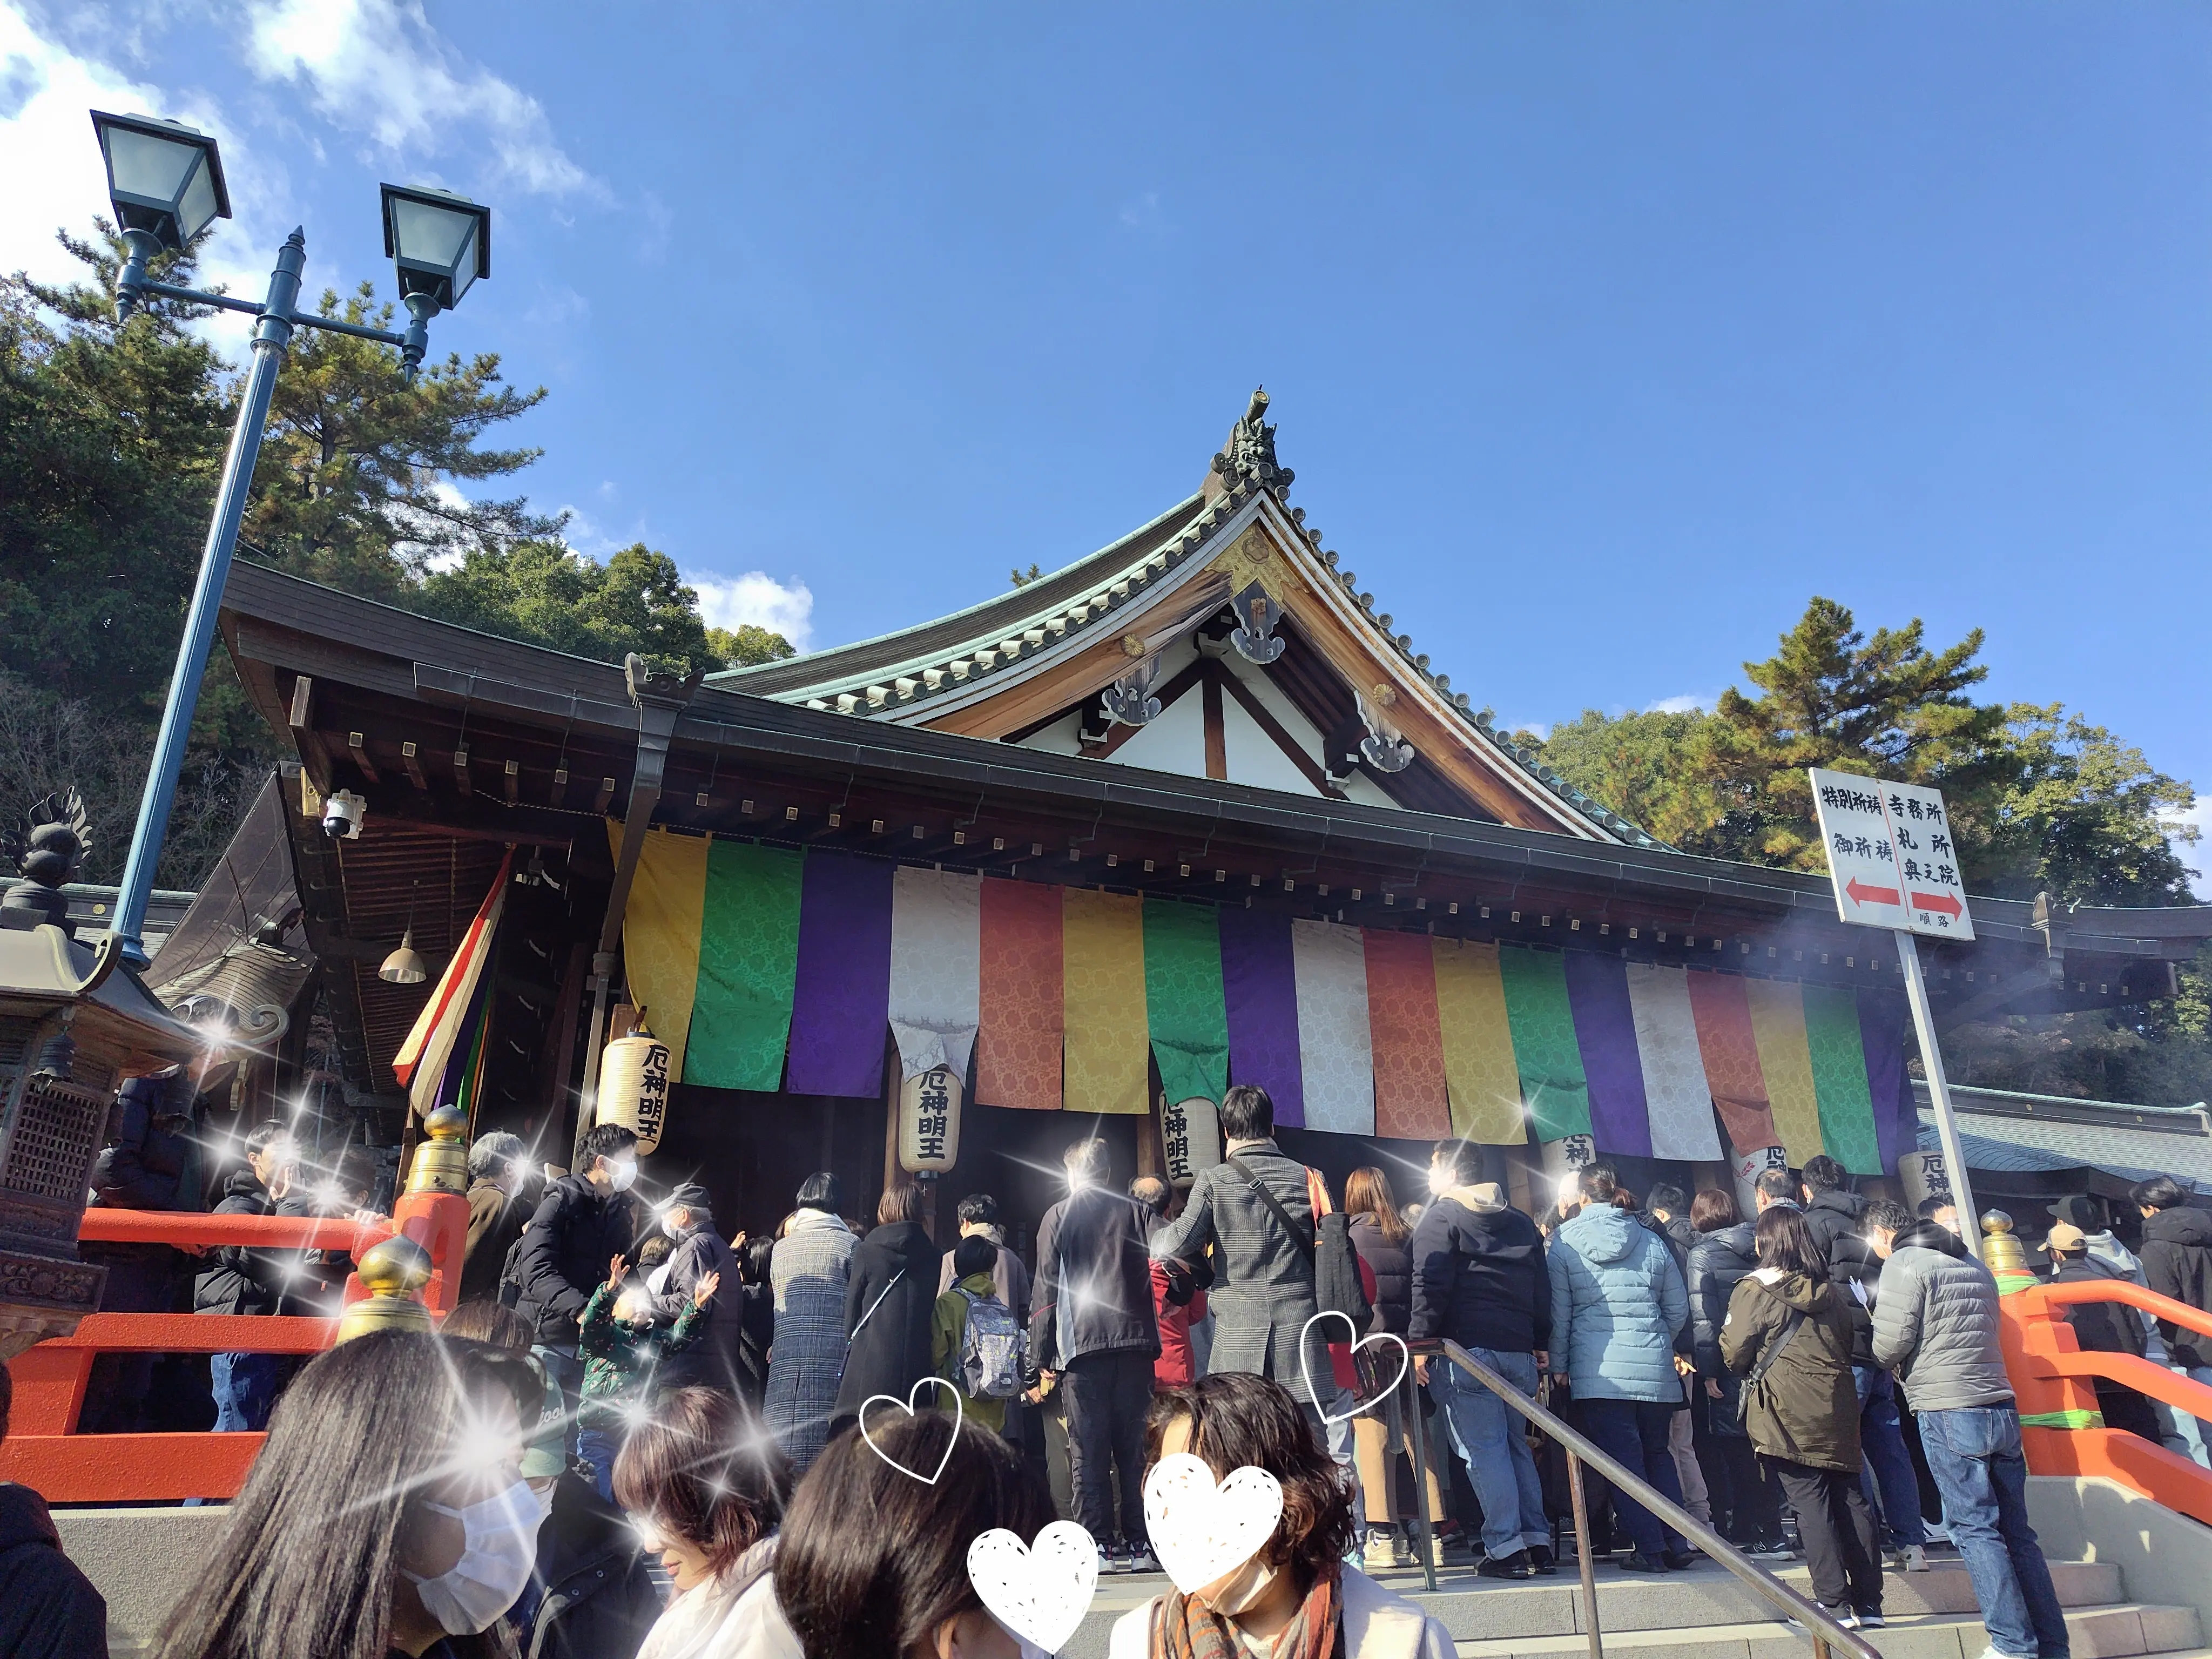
[{"x": 1618, "y": 1302}]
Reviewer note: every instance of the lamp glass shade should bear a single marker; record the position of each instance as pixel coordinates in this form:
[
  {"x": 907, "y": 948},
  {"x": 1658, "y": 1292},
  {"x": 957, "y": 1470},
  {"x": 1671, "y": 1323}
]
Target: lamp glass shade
[
  {"x": 161, "y": 176},
  {"x": 405, "y": 966},
  {"x": 438, "y": 241}
]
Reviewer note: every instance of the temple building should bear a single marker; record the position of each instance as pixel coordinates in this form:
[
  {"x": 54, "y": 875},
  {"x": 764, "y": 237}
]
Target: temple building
[{"x": 1188, "y": 812}]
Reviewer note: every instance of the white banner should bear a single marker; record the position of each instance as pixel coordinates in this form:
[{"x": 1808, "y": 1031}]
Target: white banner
[
  {"x": 1674, "y": 1088},
  {"x": 937, "y": 955},
  {"x": 1336, "y": 1046}
]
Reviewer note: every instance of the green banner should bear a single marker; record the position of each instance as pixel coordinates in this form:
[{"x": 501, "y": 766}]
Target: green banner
[
  {"x": 1839, "y": 1078},
  {"x": 748, "y": 963},
  {"x": 1184, "y": 1003},
  {"x": 1543, "y": 1046}
]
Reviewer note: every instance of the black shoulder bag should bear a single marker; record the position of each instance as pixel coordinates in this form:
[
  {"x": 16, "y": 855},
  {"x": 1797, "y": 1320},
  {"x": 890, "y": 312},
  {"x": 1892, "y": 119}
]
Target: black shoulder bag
[{"x": 1766, "y": 1363}]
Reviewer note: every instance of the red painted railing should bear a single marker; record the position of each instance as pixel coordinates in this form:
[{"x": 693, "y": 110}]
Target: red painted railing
[
  {"x": 2062, "y": 1429},
  {"x": 43, "y": 1450}
]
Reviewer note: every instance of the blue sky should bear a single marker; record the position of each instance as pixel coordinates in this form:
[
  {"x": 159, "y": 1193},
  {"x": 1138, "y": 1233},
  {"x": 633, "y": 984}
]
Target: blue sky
[{"x": 1601, "y": 336}]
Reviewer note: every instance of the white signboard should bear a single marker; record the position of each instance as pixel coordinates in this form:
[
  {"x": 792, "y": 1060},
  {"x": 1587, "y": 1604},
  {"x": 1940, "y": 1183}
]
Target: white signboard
[{"x": 1890, "y": 855}]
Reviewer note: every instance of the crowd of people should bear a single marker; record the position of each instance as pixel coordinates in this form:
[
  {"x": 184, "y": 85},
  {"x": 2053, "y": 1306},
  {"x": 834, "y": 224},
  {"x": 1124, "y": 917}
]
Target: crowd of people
[{"x": 636, "y": 1437}]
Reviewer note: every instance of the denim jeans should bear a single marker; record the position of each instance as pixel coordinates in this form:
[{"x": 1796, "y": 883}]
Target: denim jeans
[
  {"x": 1635, "y": 1432},
  {"x": 1974, "y": 1455},
  {"x": 1488, "y": 1432},
  {"x": 1887, "y": 1475},
  {"x": 244, "y": 1388},
  {"x": 599, "y": 1448},
  {"x": 2179, "y": 1430}
]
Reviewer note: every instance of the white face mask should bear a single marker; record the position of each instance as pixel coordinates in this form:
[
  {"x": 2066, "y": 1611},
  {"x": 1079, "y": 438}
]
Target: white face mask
[
  {"x": 622, "y": 1174},
  {"x": 1237, "y": 1592},
  {"x": 499, "y": 1549}
]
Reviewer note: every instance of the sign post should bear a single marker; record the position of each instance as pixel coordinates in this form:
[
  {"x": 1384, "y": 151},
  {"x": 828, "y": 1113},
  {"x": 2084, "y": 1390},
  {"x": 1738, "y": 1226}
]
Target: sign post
[{"x": 1891, "y": 861}]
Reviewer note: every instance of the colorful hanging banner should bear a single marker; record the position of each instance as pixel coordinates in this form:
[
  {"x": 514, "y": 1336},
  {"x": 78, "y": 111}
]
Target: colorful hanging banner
[
  {"x": 1477, "y": 1039},
  {"x": 1545, "y": 1048},
  {"x": 1184, "y": 1006},
  {"x": 1107, "y": 1039},
  {"x": 1020, "y": 1000},
  {"x": 1336, "y": 1054},
  {"x": 751, "y": 958},
  {"x": 936, "y": 967},
  {"x": 1260, "y": 995},
  {"x": 452, "y": 1019},
  {"x": 841, "y": 991},
  {"x": 1679, "y": 1104},
  {"x": 1778, "y": 1024},
  {"x": 748, "y": 967},
  {"x": 1412, "y": 1100}
]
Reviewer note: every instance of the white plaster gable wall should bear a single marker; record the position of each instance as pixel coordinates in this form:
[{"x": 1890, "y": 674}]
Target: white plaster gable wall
[{"x": 1175, "y": 742}]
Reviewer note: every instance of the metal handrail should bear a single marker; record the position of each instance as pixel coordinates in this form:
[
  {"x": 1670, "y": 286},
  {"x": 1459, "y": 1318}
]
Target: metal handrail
[{"x": 1818, "y": 1623}]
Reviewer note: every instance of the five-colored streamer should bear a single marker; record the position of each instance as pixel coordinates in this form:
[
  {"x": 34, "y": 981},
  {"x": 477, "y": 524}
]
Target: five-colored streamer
[{"x": 770, "y": 968}]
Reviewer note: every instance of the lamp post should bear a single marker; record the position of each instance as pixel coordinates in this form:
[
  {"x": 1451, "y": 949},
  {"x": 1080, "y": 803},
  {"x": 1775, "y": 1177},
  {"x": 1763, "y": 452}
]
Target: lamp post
[{"x": 165, "y": 183}]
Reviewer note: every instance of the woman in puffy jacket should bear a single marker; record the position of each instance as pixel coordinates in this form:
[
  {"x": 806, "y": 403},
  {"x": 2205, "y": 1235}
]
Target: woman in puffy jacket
[
  {"x": 1384, "y": 1241},
  {"x": 1618, "y": 1302},
  {"x": 1746, "y": 1505}
]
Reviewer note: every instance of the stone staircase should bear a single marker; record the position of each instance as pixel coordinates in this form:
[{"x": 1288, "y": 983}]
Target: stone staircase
[{"x": 1707, "y": 1614}]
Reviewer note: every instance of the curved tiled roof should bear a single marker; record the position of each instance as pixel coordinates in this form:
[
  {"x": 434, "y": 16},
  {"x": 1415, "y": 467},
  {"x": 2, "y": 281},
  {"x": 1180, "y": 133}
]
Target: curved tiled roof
[{"x": 901, "y": 672}]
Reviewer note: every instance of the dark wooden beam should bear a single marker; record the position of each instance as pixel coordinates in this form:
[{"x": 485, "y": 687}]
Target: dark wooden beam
[
  {"x": 1249, "y": 700},
  {"x": 359, "y": 751},
  {"x": 413, "y": 761},
  {"x": 1217, "y": 735}
]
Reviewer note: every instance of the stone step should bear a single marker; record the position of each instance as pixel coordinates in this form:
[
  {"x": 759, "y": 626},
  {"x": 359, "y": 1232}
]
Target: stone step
[
  {"x": 1706, "y": 1596},
  {"x": 2124, "y": 1630}
]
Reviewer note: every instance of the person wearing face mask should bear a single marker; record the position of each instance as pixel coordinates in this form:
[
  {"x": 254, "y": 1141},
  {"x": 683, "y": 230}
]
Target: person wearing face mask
[
  {"x": 704, "y": 1484},
  {"x": 385, "y": 1515},
  {"x": 872, "y": 1562},
  {"x": 712, "y": 1360},
  {"x": 1297, "y": 1598},
  {"x": 583, "y": 1219}
]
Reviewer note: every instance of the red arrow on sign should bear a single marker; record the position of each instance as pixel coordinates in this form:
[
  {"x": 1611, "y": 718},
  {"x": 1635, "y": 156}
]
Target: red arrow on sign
[
  {"x": 1938, "y": 902},
  {"x": 1862, "y": 894}
]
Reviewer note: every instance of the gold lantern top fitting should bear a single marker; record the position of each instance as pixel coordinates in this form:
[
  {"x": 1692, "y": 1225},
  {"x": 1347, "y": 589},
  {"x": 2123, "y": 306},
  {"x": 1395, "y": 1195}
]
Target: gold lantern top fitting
[
  {"x": 441, "y": 1163},
  {"x": 395, "y": 1273}
]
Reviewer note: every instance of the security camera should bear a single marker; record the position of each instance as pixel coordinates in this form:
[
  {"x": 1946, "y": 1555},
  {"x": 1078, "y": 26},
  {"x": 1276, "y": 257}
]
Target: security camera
[{"x": 342, "y": 815}]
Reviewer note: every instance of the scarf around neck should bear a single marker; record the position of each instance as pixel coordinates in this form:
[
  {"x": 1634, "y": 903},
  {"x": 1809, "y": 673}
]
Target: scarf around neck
[{"x": 1187, "y": 1628}]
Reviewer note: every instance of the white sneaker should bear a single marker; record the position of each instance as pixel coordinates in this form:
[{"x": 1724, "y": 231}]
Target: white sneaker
[{"x": 1916, "y": 1558}]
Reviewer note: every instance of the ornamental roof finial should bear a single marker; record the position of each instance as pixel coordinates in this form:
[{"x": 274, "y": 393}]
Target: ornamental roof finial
[{"x": 1248, "y": 457}]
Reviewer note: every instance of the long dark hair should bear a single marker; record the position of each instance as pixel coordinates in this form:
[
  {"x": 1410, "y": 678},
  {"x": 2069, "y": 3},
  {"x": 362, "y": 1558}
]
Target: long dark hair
[
  {"x": 1237, "y": 1419},
  {"x": 871, "y": 1561},
  {"x": 311, "y": 1552},
  {"x": 1367, "y": 1192},
  {"x": 1786, "y": 1242},
  {"x": 703, "y": 1467}
]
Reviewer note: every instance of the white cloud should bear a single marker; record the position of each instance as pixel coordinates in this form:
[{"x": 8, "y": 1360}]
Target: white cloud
[
  {"x": 757, "y": 598},
  {"x": 377, "y": 67},
  {"x": 1688, "y": 703},
  {"x": 2197, "y": 854}
]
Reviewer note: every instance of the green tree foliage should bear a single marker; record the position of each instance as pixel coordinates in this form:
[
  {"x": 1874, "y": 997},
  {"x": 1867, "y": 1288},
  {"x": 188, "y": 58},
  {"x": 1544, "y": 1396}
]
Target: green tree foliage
[
  {"x": 115, "y": 436},
  {"x": 1024, "y": 578},
  {"x": 1649, "y": 767}
]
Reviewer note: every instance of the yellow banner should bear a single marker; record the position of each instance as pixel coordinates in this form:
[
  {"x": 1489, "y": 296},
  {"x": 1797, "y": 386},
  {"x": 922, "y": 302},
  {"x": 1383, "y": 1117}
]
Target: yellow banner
[
  {"x": 1785, "y": 1059},
  {"x": 1108, "y": 1045},
  {"x": 660, "y": 933},
  {"x": 1478, "y": 1066}
]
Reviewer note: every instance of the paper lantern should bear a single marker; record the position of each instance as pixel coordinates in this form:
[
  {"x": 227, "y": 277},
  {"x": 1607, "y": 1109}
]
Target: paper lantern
[
  {"x": 1749, "y": 1166},
  {"x": 929, "y": 1121},
  {"x": 1923, "y": 1176},
  {"x": 633, "y": 1087},
  {"x": 1190, "y": 1138}
]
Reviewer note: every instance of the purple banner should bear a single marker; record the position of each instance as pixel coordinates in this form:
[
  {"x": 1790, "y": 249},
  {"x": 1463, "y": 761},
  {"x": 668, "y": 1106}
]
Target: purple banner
[
  {"x": 841, "y": 1003},
  {"x": 1605, "y": 1031},
  {"x": 1896, "y": 1121},
  {"x": 1260, "y": 989}
]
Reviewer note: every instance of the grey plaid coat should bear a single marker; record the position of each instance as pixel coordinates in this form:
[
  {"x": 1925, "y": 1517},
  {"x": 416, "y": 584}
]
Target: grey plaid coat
[
  {"x": 808, "y": 1271},
  {"x": 1263, "y": 1288}
]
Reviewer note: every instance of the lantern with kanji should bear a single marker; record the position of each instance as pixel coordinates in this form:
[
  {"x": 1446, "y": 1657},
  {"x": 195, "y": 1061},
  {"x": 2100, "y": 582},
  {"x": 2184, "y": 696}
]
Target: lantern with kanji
[
  {"x": 1190, "y": 1138},
  {"x": 634, "y": 1086},
  {"x": 929, "y": 1121}
]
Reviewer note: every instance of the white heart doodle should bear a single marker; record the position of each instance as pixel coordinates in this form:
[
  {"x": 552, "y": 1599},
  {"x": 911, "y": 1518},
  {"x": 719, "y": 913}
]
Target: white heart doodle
[
  {"x": 1202, "y": 1531},
  {"x": 1040, "y": 1592},
  {"x": 1405, "y": 1361},
  {"x": 910, "y": 1409}
]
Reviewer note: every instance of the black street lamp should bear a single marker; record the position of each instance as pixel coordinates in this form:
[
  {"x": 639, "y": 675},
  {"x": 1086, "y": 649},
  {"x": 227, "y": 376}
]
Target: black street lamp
[{"x": 165, "y": 183}]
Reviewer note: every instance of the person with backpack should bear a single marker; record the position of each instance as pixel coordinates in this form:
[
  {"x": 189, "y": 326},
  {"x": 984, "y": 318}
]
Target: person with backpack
[
  {"x": 975, "y": 1341},
  {"x": 1093, "y": 1330}
]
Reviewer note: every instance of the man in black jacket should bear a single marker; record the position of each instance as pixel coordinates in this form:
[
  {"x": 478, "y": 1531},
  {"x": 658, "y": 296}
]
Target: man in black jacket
[
  {"x": 1833, "y": 1211},
  {"x": 2177, "y": 1261},
  {"x": 241, "y": 1280},
  {"x": 48, "y": 1609},
  {"x": 1479, "y": 1278},
  {"x": 582, "y": 1223},
  {"x": 1091, "y": 1326}
]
